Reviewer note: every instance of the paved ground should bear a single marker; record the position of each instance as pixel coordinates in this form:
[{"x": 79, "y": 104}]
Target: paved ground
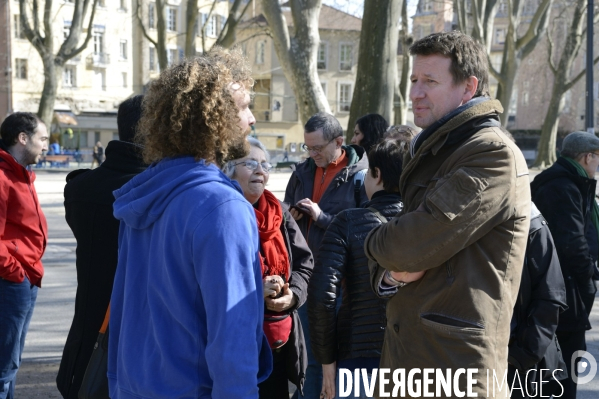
[{"x": 55, "y": 305}]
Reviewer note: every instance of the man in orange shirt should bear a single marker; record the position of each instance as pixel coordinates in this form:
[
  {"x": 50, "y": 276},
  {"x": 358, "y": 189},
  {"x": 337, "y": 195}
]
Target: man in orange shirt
[{"x": 319, "y": 188}]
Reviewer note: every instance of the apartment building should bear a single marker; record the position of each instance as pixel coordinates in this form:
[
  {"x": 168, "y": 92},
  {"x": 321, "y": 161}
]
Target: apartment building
[
  {"x": 92, "y": 84},
  {"x": 532, "y": 91},
  {"x": 274, "y": 105}
]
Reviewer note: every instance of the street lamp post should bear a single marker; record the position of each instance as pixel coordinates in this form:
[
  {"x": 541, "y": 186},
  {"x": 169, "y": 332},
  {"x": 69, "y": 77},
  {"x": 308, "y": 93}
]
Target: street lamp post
[{"x": 590, "y": 117}]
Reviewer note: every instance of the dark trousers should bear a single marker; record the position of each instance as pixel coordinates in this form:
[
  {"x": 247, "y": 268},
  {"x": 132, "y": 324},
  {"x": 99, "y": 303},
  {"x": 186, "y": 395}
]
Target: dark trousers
[
  {"x": 313, "y": 383},
  {"x": 569, "y": 342},
  {"x": 276, "y": 386},
  {"x": 17, "y": 301}
]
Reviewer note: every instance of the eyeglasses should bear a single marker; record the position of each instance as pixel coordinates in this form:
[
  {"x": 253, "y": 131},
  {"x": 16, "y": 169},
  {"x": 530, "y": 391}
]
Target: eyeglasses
[
  {"x": 317, "y": 148},
  {"x": 252, "y": 164}
]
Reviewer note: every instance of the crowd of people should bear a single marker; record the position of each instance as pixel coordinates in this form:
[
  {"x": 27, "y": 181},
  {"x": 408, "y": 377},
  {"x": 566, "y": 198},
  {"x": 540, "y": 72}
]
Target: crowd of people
[{"x": 401, "y": 250}]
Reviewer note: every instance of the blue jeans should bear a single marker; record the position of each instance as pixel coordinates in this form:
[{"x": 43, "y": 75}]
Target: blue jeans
[
  {"x": 313, "y": 383},
  {"x": 17, "y": 301}
]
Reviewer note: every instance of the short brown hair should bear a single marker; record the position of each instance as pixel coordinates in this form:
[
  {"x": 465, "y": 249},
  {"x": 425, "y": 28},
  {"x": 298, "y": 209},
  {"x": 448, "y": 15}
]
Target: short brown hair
[
  {"x": 468, "y": 58},
  {"x": 189, "y": 109}
]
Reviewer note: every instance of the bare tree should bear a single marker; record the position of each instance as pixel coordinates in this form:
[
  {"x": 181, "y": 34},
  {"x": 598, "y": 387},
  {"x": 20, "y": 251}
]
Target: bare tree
[
  {"x": 516, "y": 46},
  {"x": 562, "y": 72},
  {"x": 42, "y": 39},
  {"x": 297, "y": 54},
  {"x": 376, "y": 75}
]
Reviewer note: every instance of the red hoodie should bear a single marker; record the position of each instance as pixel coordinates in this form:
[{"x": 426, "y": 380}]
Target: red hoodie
[{"x": 23, "y": 228}]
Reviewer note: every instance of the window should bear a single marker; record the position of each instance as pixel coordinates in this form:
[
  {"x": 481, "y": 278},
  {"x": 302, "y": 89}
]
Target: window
[
  {"x": 21, "y": 68},
  {"x": 102, "y": 3},
  {"x": 66, "y": 30},
  {"x": 211, "y": 27},
  {"x": 69, "y": 76},
  {"x": 99, "y": 82},
  {"x": 123, "y": 50},
  {"x": 171, "y": 56},
  {"x": 500, "y": 35},
  {"x": 345, "y": 57},
  {"x": 123, "y": 5},
  {"x": 98, "y": 42},
  {"x": 324, "y": 87},
  {"x": 596, "y": 91},
  {"x": 171, "y": 23},
  {"x": 223, "y": 21},
  {"x": 152, "y": 15},
  {"x": 152, "y": 57},
  {"x": 344, "y": 97},
  {"x": 525, "y": 98},
  {"x": 260, "y": 48},
  {"x": 427, "y": 5},
  {"x": 321, "y": 62},
  {"x": 124, "y": 76},
  {"x": 19, "y": 34}
]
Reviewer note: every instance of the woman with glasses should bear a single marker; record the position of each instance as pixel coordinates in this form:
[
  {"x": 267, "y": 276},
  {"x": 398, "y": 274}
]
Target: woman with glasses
[
  {"x": 287, "y": 266},
  {"x": 369, "y": 130}
]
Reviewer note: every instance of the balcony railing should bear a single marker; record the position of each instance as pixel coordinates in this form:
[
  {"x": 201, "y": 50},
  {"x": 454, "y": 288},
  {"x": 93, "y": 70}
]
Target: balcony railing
[{"x": 99, "y": 60}]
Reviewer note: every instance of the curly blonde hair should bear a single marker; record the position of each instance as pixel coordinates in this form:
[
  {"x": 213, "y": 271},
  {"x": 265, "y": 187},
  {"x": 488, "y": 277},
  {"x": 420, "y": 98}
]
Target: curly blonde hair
[{"x": 190, "y": 110}]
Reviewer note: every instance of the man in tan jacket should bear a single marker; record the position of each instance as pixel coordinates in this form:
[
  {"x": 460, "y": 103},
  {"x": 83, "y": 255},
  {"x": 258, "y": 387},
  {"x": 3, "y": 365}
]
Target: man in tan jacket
[{"x": 461, "y": 239}]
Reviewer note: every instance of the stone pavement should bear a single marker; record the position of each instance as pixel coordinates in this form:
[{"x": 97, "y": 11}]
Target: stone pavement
[{"x": 55, "y": 305}]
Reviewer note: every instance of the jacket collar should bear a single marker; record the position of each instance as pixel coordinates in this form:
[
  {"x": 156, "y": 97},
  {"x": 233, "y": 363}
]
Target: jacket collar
[
  {"x": 124, "y": 157},
  {"x": 7, "y": 161}
]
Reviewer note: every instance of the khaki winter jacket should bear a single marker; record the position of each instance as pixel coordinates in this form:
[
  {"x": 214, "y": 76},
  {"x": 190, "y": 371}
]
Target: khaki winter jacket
[{"x": 470, "y": 241}]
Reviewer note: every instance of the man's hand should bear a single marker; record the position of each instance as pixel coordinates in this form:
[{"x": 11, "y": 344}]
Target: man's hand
[
  {"x": 329, "y": 371},
  {"x": 286, "y": 301},
  {"x": 272, "y": 286},
  {"x": 405, "y": 277},
  {"x": 311, "y": 207}
]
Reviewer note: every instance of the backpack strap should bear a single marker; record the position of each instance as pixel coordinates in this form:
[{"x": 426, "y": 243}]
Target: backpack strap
[
  {"x": 378, "y": 214},
  {"x": 358, "y": 183}
]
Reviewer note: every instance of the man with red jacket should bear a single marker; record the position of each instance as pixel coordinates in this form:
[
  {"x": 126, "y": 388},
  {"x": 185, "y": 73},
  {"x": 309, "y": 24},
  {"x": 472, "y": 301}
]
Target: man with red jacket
[{"x": 23, "y": 236}]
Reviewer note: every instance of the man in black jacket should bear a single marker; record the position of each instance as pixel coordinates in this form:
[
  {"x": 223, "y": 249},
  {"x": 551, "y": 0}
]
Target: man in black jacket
[
  {"x": 534, "y": 354},
  {"x": 88, "y": 205},
  {"x": 565, "y": 195}
]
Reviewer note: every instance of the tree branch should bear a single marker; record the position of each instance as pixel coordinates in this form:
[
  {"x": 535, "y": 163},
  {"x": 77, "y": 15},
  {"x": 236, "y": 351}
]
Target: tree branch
[
  {"x": 48, "y": 38},
  {"x": 141, "y": 24},
  {"x": 575, "y": 80},
  {"x": 227, "y": 35},
  {"x": 550, "y": 62},
  {"x": 537, "y": 25},
  {"x": 89, "y": 35},
  {"x": 494, "y": 71},
  {"x": 33, "y": 35}
]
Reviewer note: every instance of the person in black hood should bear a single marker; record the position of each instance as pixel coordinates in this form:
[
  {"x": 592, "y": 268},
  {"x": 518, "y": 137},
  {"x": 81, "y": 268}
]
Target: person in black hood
[
  {"x": 88, "y": 206},
  {"x": 565, "y": 195}
]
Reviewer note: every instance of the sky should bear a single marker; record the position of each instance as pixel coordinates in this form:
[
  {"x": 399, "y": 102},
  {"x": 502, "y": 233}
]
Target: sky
[{"x": 355, "y": 7}]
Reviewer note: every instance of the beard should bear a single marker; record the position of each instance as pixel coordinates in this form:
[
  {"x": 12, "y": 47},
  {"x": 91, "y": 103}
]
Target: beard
[{"x": 239, "y": 148}]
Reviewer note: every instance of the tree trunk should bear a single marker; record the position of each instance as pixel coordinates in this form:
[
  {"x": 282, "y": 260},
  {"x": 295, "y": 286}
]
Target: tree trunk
[
  {"x": 161, "y": 49},
  {"x": 509, "y": 73},
  {"x": 401, "y": 111},
  {"x": 547, "y": 143},
  {"x": 376, "y": 76},
  {"x": 51, "y": 74},
  {"x": 297, "y": 54},
  {"x": 191, "y": 19}
]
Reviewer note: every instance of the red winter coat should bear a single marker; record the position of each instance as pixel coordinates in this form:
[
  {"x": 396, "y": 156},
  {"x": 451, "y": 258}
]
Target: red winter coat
[{"x": 23, "y": 228}]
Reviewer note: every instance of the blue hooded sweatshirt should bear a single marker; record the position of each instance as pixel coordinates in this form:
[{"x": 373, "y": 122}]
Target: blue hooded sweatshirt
[{"x": 187, "y": 305}]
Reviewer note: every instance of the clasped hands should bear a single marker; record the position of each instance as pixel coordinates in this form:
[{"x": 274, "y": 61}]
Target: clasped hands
[{"x": 278, "y": 297}]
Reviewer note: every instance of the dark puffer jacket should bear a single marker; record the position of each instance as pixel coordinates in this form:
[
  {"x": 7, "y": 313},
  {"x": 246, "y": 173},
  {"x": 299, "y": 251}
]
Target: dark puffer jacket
[
  {"x": 565, "y": 198},
  {"x": 358, "y": 330}
]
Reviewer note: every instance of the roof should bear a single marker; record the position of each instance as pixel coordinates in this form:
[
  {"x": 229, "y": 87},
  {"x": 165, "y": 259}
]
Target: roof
[{"x": 330, "y": 19}]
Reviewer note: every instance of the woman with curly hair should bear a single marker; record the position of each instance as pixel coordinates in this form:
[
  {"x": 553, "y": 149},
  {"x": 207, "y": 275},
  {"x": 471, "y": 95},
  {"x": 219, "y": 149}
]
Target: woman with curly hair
[
  {"x": 369, "y": 130},
  {"x": 287, "y": 266},
  {"x": 187, "y": 306}
]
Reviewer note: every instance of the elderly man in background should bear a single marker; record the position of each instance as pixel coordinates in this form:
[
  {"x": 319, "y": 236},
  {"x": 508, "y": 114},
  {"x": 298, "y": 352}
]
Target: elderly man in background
[{"x": 565, "y": 195}]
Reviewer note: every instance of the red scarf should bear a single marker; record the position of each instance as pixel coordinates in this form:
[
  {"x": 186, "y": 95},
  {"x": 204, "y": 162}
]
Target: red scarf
[{"x": 274, "y": 259}]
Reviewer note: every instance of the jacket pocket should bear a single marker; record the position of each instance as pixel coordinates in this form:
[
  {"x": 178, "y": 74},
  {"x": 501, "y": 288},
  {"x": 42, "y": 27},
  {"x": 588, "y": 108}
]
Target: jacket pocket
[
  {"x": 460, "y": 192},
  {"x": 450, "y": 325}
]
